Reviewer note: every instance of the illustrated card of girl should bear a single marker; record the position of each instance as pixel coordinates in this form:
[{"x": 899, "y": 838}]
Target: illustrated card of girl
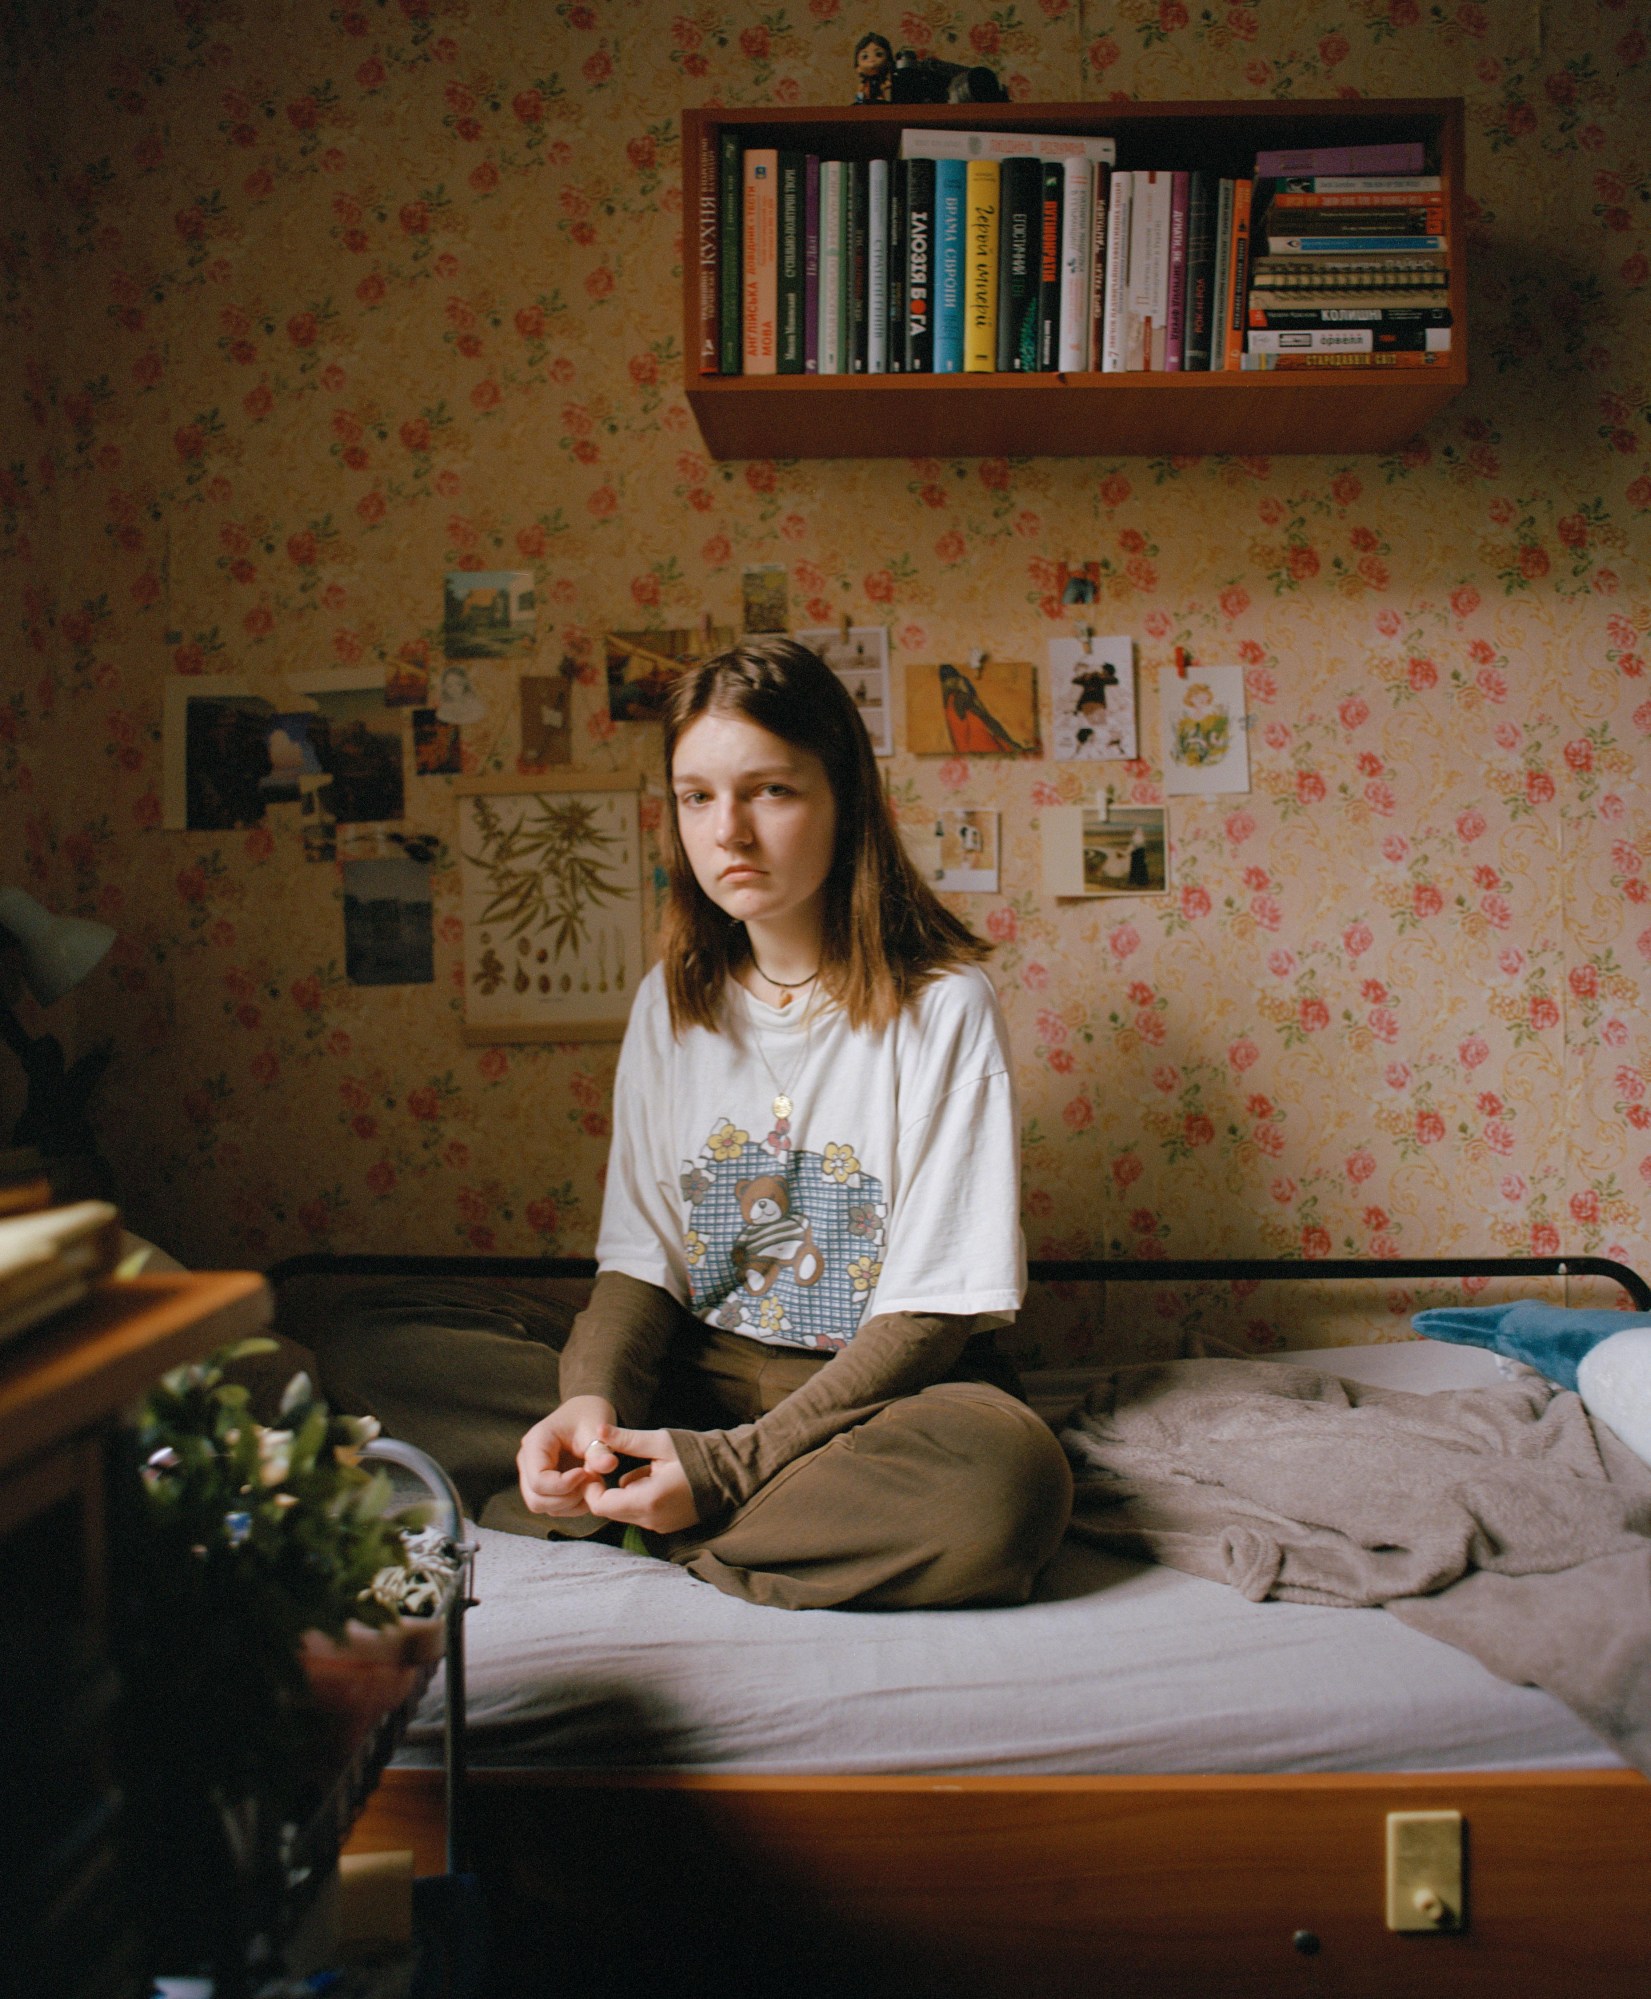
[
  {"x": 1205, "y": 731},
  {"x": 1092, "y": 692}
]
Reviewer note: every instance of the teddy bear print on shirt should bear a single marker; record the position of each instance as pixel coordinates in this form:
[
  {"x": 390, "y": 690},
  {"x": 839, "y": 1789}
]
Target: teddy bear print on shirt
[{"x": 773, "y": 1239}]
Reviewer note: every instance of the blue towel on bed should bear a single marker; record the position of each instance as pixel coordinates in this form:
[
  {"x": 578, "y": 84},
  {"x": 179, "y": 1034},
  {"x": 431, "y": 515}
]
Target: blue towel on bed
[{"x": 1550, "y": 1338}]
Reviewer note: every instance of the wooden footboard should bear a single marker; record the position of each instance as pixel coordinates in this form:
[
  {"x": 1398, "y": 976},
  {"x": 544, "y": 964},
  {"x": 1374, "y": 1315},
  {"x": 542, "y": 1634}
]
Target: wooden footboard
[{"x": 1006, "y": 1888}]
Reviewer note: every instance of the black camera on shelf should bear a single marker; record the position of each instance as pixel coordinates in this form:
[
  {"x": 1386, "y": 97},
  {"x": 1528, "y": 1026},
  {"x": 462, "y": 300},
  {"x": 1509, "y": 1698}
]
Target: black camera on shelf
[{"x": 927, "y": 80}]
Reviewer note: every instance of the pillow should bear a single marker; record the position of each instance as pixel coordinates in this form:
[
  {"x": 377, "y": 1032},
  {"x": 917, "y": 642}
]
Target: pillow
[
  {"x": 1551, "y": 1338},
  {"x": 1614, "y": 1381}
]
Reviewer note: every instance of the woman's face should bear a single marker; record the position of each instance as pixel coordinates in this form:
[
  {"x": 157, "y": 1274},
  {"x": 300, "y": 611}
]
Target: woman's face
[{"x": 757, "y": 818}]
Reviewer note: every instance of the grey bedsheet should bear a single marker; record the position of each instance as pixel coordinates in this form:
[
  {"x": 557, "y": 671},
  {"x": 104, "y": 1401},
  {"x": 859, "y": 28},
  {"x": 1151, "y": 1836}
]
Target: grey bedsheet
[{"x": 582, "y": 1656}]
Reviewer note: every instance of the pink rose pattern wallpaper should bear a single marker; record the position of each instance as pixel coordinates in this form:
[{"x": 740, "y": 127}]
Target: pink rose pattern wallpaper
[{"x": 309, "y": 302}]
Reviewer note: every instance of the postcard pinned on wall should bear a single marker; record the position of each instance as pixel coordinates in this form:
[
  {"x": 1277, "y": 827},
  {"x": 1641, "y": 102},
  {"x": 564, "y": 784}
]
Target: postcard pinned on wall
[
  {"x": 438, "y": 746},
  {"x": 229, "y": 754},
  {"x": 1118, "y": 850},
  {"x": 957, "y": 850},
  {"x": 357, "y": 741},
  {"x": 547, "y": 717},
  {"x": 389, "y": 932},
  {"x": 984, "y": 709},
  {"x": 551, "y": 877},
  {"x": 1092, "y": 695},
  {"x": 488, "y": 613},
  {"x": 643, "y": 665},
  {"x": 407, "y": 677},
  {"x": 1080, "y": 582},
  {"x": 765, "y": 597},
  {"x": 458, "y": 701},
  {"x": 859, "y": 656},
  {"x": 1205, "y": 730}
]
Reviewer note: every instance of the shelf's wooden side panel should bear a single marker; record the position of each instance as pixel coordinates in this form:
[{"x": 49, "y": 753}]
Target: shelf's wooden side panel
[{"x": 887, "y": 416}]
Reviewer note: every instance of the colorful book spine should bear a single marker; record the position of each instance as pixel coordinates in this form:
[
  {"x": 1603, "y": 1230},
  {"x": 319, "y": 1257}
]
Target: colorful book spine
[
  {"x": 1175, "y": 305},
  {"x": 1404, "y": 157},
  {"x": 811, "y": 264},
  {"x": 950, "y": 197},
  {"x": 1020, "y": 225},
  {"x": 980, "y": 269},
  {"x": 877, "y": 267},
  {"x": 1346, "y": 315},
  {"x": 707, "y": 262},
  {"x": 1049, "y": 265},
  {"x": 789, "y": 289},
  {"x": 1358, "y": 187},
  {"x": 761, "y": 260},
  {"x": 1195, "y": 333},
  {"x": 1119, "y": 234},
  {"x": 1239, "y": 280},
  {"x": 919, "y": 266},
  {"x": 731, "y": 235},
  {"x": 1143, "y": 251},
  {"x": 1412, "y": 358},
  {"x": 831, "y": 267},
  {"x": 897, "y": 268},
  {"x": 1351, "y": 246},
  {"x": 1099, "y": 201},
  {"x": 1077, "y": 267}
]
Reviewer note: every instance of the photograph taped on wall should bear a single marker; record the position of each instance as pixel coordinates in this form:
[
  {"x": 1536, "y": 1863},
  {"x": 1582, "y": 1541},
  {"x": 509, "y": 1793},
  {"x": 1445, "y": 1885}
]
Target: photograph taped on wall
[
  {"x": 968, "y": 711},
  {"x": 643, "y": 665},
  {"x": 1092, "y": 699},
  {"x": 766, "y": 597},
  {"x": 438, "y": 746},
  {"x": 859, "y": 656},
  {"x": 407, "y": 677},
  {"x": 551, "y": 877},
  {"x": 215, "y": 754},
  {"x": 1088, "y": 852},
  {"x": 488, "y": 613},
  {"x": 1205, "y": 730},
  {"x": 357, "y": 740},
  {"x": 957, "y": 849},
  {"x": 389, "y": 935},
  {"x": 457, "y": 699},
  {"x": 547, "y": 717}
]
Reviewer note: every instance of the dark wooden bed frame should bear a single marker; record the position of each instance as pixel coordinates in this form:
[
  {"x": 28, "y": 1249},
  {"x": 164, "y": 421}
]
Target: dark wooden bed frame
[{"x": 1218, "y": 1887}]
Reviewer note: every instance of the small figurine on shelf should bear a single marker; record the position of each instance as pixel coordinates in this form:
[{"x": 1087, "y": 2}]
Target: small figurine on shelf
[{"x": 873, "y": 69}]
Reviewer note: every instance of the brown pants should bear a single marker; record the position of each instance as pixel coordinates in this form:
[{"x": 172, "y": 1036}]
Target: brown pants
[{"x": 954, "y": 1496}]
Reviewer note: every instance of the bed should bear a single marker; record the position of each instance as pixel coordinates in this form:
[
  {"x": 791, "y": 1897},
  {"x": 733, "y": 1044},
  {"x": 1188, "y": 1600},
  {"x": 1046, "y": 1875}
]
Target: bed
[{"x": 1138, "y": 1782}]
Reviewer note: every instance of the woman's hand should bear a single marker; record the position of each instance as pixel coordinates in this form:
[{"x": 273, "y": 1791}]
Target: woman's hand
[
  {"x": 654, "y": 1495},
  {"x": 562, "y": 1460}
]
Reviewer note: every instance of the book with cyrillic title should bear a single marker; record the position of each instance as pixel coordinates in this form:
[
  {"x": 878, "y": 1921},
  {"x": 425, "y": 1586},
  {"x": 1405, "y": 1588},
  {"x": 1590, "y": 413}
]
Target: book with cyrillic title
[
  {"x": 1049, "y": 264},
  {"x": 980, "y": 269},
  {"x": 877, "y": 267},
  {"x": 1077, "y": 254},
  {"x": 790, "y": 287},
  {"x": 731, "y": 239},
  {"x": 1352, "y": 246},
  {"x": 1239, "y": 278},
  {"x": 1346, "y": 339},
  {"x": 761, "y": 259},
  {"x": 1400, "y": 157},
  {"x": 1019, "y": 251},
  {"x": 950, "y": 195},
  {"x": 1175, "y": 321},
  {"x": 919, "y": 330},
  {"x": 831, "y": 267},
  {"x": 1119, "y": 235}
]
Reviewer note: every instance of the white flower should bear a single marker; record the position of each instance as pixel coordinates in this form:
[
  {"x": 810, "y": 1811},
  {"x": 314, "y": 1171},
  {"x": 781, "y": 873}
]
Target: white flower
[{"x": 274, "y": 1455}]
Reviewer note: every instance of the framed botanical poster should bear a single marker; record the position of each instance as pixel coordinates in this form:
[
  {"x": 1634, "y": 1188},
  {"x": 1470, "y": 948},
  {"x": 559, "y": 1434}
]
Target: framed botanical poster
[{"x": 551, "y": 868}]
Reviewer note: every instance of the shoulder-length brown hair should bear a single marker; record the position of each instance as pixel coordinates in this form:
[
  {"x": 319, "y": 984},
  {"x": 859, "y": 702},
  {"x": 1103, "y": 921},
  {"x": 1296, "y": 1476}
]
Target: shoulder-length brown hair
[{"x": 886, "y": 933}]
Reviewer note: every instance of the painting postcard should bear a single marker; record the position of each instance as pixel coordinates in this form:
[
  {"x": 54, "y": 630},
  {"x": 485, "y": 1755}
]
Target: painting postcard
[
  {"x": 438, "y": 746},
  {"x": 967, "y": 711},
  {"x": 1089, "y": 853},
  {"x": 1205, "y": 730},
  {"x": 643, "y": 666},
  {"x": 957, "y": 850},
  {"x": 1092, "y": 699},
  {"x": 551, "y": 878},
  {"x": 765, "y": 596},
  {"x": 213, "y": 754},
  {"x": 488, "y": 613},
  {"x": 547, "y": 717},
  {"x": 859, "y": 657},
  {"x": 357, "y": 741},
  {"x": 389, "y": 937},
  {"x": 407, "y": 677}
]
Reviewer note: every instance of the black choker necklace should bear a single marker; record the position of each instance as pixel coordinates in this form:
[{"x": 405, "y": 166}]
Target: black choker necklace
[{"x": 780, "y": 984}]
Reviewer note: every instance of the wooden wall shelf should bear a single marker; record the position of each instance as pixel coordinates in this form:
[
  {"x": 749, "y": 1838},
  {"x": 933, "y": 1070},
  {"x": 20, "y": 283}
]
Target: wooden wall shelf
[{"x": 1064, "y": 416}]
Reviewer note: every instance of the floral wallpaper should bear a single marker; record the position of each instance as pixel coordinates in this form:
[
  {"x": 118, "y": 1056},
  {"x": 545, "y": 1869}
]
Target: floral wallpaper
[{"x": 308, "y": 302}]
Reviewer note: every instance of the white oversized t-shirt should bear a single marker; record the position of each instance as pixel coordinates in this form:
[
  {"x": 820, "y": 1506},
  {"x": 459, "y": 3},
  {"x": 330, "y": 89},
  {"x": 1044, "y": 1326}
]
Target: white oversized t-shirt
[{"x": 892, "y": 1186}]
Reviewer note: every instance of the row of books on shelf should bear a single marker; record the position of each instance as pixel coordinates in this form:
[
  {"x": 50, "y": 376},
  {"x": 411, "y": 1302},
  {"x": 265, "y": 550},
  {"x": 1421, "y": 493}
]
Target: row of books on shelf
[{"x": 1015, "y": 253}]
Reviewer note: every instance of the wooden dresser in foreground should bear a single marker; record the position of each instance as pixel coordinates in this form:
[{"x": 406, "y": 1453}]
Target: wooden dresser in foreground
[{"x": 68, "y": 1926}]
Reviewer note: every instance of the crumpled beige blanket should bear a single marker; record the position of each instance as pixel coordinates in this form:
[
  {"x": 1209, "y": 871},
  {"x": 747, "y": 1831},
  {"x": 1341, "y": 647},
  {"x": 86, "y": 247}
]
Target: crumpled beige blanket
[{"x": 1499, "y": 1519}]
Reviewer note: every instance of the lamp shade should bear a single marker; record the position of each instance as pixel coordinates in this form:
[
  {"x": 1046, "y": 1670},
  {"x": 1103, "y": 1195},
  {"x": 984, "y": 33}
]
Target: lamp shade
[{"x": 58, "y": 951}]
